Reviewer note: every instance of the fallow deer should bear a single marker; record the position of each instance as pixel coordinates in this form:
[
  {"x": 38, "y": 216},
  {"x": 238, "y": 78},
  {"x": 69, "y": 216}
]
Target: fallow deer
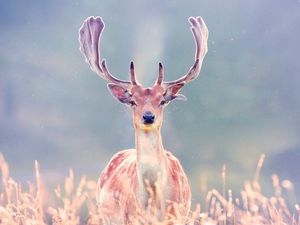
[{"x": 148, "y": 176}]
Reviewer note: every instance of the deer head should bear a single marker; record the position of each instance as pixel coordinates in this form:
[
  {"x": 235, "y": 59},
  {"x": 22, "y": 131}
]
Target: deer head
[{"x": 147, "y": 103}]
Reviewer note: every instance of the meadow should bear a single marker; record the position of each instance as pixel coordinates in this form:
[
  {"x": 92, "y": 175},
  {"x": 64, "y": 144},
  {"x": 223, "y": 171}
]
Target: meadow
[
  {"x": 245, "y": 102},
  {"x": 74, "y": 203}
]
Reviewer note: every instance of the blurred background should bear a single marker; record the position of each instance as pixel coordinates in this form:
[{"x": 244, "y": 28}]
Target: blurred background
[{"x": 245, "y": 103}]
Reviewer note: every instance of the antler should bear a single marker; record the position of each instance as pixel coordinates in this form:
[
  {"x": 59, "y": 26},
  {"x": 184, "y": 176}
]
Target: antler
[
  {"x": 89, "y": 38},
  {"x": 200, "y": 33}
]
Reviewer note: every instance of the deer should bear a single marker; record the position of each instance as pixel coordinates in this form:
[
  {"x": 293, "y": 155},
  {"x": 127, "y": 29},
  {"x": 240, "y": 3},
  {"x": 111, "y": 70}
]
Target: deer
[{"x": 147, "y": 178}]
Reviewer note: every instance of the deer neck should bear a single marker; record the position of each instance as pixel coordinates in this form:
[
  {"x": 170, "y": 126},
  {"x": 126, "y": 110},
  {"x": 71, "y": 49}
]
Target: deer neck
[
  {"x": 151, "y": 161},
  {"x": 149, "y": 147}
]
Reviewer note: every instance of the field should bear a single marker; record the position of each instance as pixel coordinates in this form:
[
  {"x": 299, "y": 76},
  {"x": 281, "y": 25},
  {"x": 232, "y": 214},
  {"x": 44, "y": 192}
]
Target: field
[{"x": 75, "y": 203}]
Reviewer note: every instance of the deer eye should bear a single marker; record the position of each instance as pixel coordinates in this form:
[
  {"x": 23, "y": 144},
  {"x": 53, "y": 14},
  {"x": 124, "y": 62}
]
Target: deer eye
[
  {"x": 132, "y": 103},
  {"x": 162, "y": 102}
]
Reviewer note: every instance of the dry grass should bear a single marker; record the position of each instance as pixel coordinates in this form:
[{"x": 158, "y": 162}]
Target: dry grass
[{"x": 76, "y": 204}]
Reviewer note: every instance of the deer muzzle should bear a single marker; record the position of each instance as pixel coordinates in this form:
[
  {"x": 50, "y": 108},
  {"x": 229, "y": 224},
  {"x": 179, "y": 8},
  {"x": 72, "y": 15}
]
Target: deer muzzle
[{"x": 148, "y": 118}]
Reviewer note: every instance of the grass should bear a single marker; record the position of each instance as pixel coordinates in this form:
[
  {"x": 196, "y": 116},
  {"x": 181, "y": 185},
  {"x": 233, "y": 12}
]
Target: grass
[{"x": 75, "y": 204}]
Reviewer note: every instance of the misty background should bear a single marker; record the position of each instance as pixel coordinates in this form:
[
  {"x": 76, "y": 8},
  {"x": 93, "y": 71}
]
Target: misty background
[{"x": 246, "y": 101}]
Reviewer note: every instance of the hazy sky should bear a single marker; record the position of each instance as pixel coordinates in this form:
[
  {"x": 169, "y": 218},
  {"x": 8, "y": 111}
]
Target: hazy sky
[{"x": 244, "y": 103}]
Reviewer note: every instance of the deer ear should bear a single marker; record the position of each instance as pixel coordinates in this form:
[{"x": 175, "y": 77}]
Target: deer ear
[
  {"x": 120, "y": 93},
  {"x": 171, "y": 92}
]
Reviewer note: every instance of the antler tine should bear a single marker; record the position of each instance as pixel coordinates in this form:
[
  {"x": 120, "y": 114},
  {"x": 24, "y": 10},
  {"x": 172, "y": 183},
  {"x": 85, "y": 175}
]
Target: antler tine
[
  {"x": 200, "y": 33},
  {"x": 109, "y": 77},
  {"x": 89, "y": 38},
  {"x": 160, "y": 77},
  {"x": 132, "y": 74}
]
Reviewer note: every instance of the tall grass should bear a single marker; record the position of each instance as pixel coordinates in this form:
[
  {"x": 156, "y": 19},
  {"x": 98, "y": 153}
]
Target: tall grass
[{"x": 75, "y": 203}]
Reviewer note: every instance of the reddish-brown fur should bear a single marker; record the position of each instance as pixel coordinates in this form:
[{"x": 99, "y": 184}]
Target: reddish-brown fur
[{"x": 123, "y": 165}]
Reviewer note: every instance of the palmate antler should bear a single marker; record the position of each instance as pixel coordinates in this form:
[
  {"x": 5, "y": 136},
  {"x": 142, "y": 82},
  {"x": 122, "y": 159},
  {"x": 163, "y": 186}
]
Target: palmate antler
[
  {"x": 89, "y": 38},
  {"x": 200, "y": 33}
]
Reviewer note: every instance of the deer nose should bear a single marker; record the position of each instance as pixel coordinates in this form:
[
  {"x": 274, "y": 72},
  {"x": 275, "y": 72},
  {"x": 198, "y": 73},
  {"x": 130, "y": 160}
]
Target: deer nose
[{"x": 148, "y": 117}]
